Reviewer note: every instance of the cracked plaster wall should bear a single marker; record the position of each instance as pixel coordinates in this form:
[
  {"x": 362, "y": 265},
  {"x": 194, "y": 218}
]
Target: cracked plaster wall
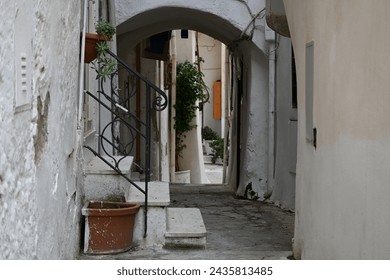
[
  {"x": 39, "y": 201},
  {"x": 254, "y": 127}
]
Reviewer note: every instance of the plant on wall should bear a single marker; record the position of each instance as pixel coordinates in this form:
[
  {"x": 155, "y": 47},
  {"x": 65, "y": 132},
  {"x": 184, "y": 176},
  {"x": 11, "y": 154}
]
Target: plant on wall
[
  {"x": 95, "y": 43},
  {"x": 189, "y": 90}
]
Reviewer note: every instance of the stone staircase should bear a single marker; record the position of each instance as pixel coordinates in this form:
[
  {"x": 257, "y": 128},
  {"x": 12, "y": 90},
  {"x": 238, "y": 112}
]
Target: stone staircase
[{"x": 171, "y": 227}]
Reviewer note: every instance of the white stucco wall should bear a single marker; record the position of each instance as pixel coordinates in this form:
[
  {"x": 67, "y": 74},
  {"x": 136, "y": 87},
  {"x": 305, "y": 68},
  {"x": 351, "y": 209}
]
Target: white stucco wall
[
  {"x": 283, "y": 193},
  {"x": 254, "y": 126},
  {"x": 210, "y": 51},
  {"x": 342, "y": 186},
  {"x": 39, "y": 197},
  {"x": 18, "y": 216}
]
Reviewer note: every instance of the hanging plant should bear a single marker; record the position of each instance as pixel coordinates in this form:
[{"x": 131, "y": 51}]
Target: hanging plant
[
  {"x": 104, "y": 65},
  {"x": 94, "y": 42},
  {"x": 189, "y": 90}
]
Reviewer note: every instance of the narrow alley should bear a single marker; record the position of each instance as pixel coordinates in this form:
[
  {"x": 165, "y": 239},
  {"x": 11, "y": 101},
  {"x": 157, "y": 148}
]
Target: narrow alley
[{"x": 236, "y": 229}]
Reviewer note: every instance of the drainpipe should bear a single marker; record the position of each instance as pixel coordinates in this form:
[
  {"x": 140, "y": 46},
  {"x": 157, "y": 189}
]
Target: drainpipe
[
  {"x": 271, "y": 117},
  {"x": 172, "y": 161},
  {"x": 82, "y": 67},
  {"x": 138, "y": 104},
  {"x": 225, "y": 116}
]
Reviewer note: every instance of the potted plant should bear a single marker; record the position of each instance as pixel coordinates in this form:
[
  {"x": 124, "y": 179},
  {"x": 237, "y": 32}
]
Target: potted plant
[
  {"x": 109, "y": 226},
  {"x": 208, "y": 136},
  {"x": 217, "y": 146},
  {"x": 98, "y": 42},
  {"x": 189, "y": 90}
]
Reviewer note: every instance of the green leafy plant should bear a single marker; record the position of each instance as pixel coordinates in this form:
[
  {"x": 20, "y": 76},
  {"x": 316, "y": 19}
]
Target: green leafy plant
[
  {"x": 104, "y": 65},
  {"x": 105, "y": 29},
  {"x": 217, "y": 149},
  {"x": 209, "y": 134},
  {"x": 189, "y": 90}
]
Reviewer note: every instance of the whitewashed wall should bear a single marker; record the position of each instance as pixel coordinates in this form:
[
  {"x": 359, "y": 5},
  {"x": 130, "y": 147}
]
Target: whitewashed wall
[
  {"x": 39, "y": 198},
  {"x": 210, "y": 51},
  {"x": 343, "y": 192},
  {"x": 286, "y": 129},
  {"x": 253, "y": 159}
]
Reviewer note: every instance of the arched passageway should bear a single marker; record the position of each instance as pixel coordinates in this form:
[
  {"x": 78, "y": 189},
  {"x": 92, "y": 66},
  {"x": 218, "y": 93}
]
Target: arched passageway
[{"x": 242, "y": 28}]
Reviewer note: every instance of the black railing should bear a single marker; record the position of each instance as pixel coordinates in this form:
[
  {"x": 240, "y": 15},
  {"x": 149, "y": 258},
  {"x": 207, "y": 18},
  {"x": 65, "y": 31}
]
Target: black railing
[{"x": 128, "y": 126}]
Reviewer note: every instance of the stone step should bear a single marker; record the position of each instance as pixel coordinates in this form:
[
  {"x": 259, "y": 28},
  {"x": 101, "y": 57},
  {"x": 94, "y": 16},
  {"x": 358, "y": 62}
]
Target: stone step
[
  {"x": 185, "y": 228},
  {"x": 102, "y": 182},
  {"x": 158, "y": 200},
  {"x": 98, "y": 167},
  {"x": 158, "y": 193}
]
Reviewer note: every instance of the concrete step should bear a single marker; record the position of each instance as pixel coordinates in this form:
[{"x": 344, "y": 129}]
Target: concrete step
[
  {"x": 158, "y": 200},
  {"x": 158, "y": 193},
  {"x": 99, "y": 167},
  {"x": 102, "y": 182},
  {"x": 185, "y": 228}
]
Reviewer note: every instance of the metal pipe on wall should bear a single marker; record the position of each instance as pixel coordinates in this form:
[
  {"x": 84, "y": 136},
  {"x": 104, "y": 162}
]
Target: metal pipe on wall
[
  {"x": 81, "y": 77},
  {"x": 271, "y": 117},
  {"x": 172, "y": 162}
]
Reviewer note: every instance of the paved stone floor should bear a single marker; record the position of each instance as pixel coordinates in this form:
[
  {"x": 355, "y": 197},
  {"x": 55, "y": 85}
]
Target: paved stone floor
[{"x": 236, "y": 229}]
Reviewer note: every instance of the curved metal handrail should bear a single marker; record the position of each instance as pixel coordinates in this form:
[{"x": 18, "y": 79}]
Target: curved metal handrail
[{"x": 116, "y": 100}]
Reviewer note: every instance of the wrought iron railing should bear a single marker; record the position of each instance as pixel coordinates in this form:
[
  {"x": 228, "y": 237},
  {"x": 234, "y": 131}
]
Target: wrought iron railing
[{"x": 128, "y": 126}]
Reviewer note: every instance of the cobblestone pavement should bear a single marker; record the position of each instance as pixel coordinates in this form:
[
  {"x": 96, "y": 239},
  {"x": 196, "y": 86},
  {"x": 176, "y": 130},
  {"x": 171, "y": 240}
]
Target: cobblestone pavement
[{"x": 236, "y": 229}]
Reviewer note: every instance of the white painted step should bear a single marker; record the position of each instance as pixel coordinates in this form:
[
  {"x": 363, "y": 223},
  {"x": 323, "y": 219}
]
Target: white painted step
[
  {"x": 158, "y": 200},
  {"x": 185, "y": 228},
  {"x": 99, "y": 167},
  {"x": 158, "y": 193},
  {"x": 102, "y": 182}
]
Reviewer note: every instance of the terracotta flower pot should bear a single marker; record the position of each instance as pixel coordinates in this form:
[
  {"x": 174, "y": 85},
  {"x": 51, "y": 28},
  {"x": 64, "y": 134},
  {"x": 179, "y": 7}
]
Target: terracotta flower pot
[
  {"x": 109, "y": 226},
  {"x": 90, "y": 46}
]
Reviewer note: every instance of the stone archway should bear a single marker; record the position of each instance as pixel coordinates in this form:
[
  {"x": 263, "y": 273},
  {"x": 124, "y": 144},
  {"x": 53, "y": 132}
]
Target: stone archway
[{"x": 242, "y": 28}]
